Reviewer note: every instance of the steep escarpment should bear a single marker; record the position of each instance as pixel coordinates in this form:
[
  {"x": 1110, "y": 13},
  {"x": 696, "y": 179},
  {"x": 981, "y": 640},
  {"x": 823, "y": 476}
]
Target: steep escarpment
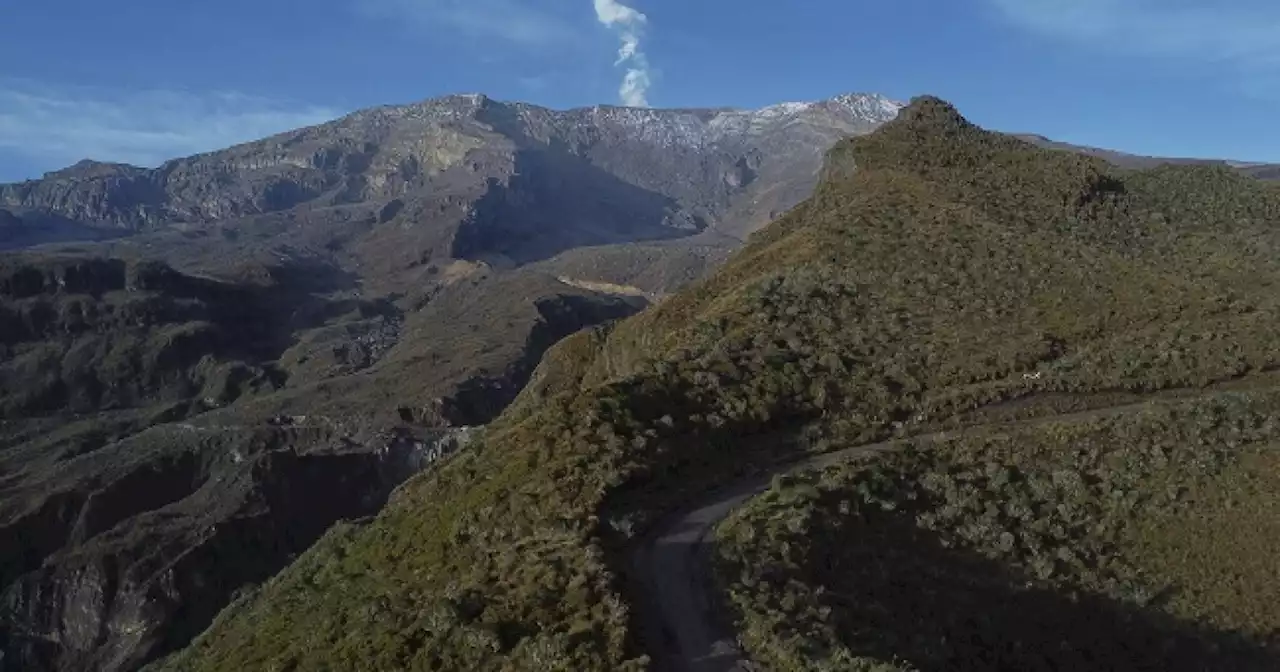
[
  {"x": 170, "y": 440},
  {"x": 92, "y": 192},
  {"x": 124, "y": 554},
  {"x": 952, "y": 276},
  {"x": 93, "y": 352}
]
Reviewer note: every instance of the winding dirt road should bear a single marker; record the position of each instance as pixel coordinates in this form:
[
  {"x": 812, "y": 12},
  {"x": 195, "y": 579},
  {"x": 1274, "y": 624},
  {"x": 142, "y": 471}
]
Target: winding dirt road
[
  {"x": 680, "y": 614},
  {"x": 674, "y": 567}
]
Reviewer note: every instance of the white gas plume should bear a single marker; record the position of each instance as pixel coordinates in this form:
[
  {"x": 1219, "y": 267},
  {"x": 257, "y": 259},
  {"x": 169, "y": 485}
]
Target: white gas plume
[{"x": 630, "y": 25}]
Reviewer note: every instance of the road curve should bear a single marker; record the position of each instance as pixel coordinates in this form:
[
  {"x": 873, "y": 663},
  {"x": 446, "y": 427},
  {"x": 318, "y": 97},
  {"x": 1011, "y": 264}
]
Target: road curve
[{"x": 672, "y": 564}]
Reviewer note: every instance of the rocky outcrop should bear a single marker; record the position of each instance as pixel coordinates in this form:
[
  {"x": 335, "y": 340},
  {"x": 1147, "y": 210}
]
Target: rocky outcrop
[{"x": 111, "y": 195}]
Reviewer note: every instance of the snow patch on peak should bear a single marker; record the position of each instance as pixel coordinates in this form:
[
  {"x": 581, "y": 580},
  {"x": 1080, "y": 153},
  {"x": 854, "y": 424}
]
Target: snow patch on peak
[
  {"x": 872, "y": 106},
  {"x": 864, "y": 106},
  {"x": 701, "y": 128},
  {"x": 692, "y": 128},
  {"x": 783, "y": 109},
  {"x": 663, "y": 127}
]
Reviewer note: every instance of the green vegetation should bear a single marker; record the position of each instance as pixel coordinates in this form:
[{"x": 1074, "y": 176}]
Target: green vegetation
[
  {"x": 952, "y": 271},
  {"x": 993, "y": 550}
]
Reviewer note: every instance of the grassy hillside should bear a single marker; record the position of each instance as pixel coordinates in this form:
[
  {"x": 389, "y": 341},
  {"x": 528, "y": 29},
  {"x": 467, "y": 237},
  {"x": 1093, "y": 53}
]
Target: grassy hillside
[
  {"x": 939, "y": 273},
  {"x": 1142, "y": 539}
]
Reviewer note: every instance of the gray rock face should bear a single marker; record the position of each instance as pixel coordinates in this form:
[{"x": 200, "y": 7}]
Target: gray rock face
[{"x": 651, "y": 173}]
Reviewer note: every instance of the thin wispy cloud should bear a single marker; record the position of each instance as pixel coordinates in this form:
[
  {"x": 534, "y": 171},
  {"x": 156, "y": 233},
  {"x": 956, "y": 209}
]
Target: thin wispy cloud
[
  {"x": 521, "y": 23},
  {"x": 55, "y": 126},
  {"x": 1242, "y": 34},
  {"x": 630, "y": 25}
]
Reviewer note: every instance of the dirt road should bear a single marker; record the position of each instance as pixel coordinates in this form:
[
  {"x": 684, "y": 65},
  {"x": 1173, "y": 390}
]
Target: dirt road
[
  {"x": 674, "y": 566},
  {"x": 673, "y": 563}
]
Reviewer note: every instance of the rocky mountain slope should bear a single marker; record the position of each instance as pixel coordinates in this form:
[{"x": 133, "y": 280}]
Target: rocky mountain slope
[
  {"x": 222, "y": 356},
  {"x": 940, "y": 278},
  {"x": 446, "y": 178}
]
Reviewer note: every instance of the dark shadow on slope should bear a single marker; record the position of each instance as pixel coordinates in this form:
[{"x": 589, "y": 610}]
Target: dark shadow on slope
[
  {"x": 160, "y": 574},
  {"x": 558, "y": 201},
  {"x": 896, "y": 593},
  {"x": 131, "y": 334},
  {"x": 31, "y": 229},
  {"x": 1267, "y": 172},
  {"x": 480, "y": 399}
]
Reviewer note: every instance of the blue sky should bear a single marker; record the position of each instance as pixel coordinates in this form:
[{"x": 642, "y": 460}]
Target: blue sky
[{"x": 145, "y": 80}]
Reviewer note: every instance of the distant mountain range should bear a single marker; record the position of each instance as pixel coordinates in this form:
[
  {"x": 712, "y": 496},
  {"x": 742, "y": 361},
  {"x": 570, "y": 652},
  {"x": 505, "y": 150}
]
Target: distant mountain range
[
  {"x": 1265, "y": 171},
  {"x": 451, "y": 174},
  {"x": 468, "y": 177}
]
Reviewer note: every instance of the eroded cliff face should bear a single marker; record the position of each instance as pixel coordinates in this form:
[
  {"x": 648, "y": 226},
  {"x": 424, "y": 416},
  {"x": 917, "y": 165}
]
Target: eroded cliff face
[
  {"x": 169, "y": 440},
  {"x": 144, "y": 562}
]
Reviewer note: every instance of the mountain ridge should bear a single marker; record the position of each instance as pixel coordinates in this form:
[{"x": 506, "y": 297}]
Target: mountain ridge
[
  {"x": 956, "y": 276},
  {"x": 377, "y": 122},
  {"x": 409, "y": 266}
]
